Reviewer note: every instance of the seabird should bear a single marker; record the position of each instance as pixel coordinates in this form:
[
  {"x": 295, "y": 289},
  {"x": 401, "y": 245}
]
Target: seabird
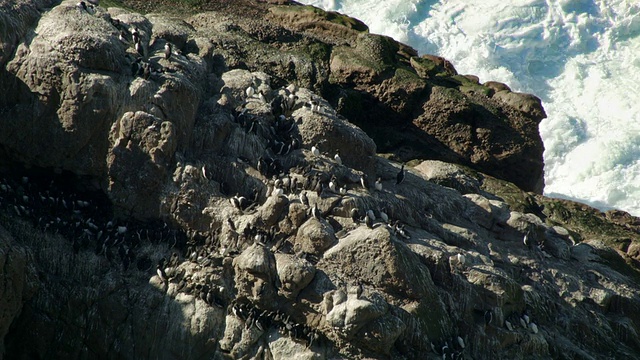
[
  {"x": 461, "y": 260},
  {"x": 507, "y": 323},
  {"x": 250, "y": 91},
  {"x": 315, "y": 151},
  {"x": 343, "y": 190},
  {"x": 315, "y": 211},
  {"x": 139, "y": 48},
  {"x": 304, "y": 199},
  {"x": 525, "y": 240},
  {"x": 363, "y": 182},
  {"x": 400, "y": 176},
  {"x": 292, "y": 88},
  {"x": 161, "y": 273},
  {"x": 523, "y": 323},
  {"x": 368, "y": 221},
  {"x": 332, "y": 184},
  {"x": 122, "y": 37},
  {"x": 379, "y": 184},
  {"x": 337, "y": 158},
  {"x": 290, "y": 102},
  {"x": 384, "y": 216},
  {"x": 355, "y": 216},
  {"x": 135, "y": 34},
  {"x": 167, "y": 51},
  {"x": 460, "y": 342},
  {"x": 371, "y": 214},
  {"x": 204, "y": 173},
  {"x": 261, "y": 96},
  {"x": 277, "y": 191},
  {"x": 314, "y": 105},
  {"x": 533, "y": 327}
]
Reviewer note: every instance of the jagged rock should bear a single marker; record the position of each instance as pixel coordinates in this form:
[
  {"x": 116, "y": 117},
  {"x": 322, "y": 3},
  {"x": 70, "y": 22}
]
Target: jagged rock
[
  {"x": 271, "y": 211},
  {"x": 255, "y": 275},
  {"x": 294, "y": 274},
  {"x": 381, "y": 334},
  {"x": 314, "y": 237},
  {"x": 373, "y": 257},
  {"x": 473, "y": 142},
  {"x": 448, "y": 175},
  {"x": 526, "y": 103},
  {"x": 17, "y": 282}
]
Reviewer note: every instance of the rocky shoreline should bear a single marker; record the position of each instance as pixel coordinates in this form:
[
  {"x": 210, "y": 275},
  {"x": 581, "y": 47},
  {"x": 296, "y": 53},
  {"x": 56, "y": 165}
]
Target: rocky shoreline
[{"x": 284, "y": 184}]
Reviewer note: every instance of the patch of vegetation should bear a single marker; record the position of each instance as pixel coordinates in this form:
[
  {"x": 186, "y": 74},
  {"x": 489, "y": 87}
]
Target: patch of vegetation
[{"x": 318, "y": 51}]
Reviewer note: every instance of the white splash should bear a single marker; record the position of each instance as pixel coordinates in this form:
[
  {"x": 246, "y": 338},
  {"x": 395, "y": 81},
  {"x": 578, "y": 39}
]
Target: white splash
[{"x": 581, "y": 58}]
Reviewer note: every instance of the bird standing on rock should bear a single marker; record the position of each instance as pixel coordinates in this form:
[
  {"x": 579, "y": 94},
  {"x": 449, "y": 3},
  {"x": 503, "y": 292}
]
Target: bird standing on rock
[
  {"x": 316, "y": 212},
  {"x": 304, "y": 199},
  {"x": 337, "y": 158},
  {"x": 167, "y": 51},
  {"x": 250, "y": 91},
  {"x": 315, "y": 151},
  {"x": 378, "y": 184}
]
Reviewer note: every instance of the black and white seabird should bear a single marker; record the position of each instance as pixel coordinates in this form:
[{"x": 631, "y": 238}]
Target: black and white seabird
[
  {"x": 368, "y": 221},
  {"x": 400, "y": 176},
  {"x": 355, "y": 215},
  {"x": 261, "y": 96},
  {"x": 384, "y": 216},
  {"x": 204, "y": 173},
  {"x": 167, "y": 51},
  {"x": 316, "y": 212},
  {"x": 332, "y": 184},
  {"x": 315, "y": 151},
  {"x": 337, "y": 158},
  {"x": 122, "y": 37},
  {"x": 304, "y": 199},
  {"x": 139, "y": 48},
  {"x": 250, "y": 91},
  {"x": 526, "y": 240},
  {"x": 378, "y": 184},
  {"x": 363, "y": 181}
]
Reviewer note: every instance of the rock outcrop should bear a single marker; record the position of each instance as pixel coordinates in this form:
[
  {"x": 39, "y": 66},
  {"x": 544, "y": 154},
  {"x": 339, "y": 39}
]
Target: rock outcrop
[{"x": 221, "y": 202}]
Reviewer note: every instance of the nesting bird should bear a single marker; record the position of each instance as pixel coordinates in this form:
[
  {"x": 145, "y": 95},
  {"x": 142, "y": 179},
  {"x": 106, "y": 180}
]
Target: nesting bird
[
  {"x": 250, "y": 91},
  {"x": 368, "y": 221},
  {"x": 355, "y": 215},
  {"x": 139, "y": 48},
  {"x": 315, "y": 151},
  {"x": 167, "y": 51},
  {"x": 332, "y": 184},
  {"x": 304, "y": 199},
  {"x": 384, "y": 216},
  {"x": 262, "y": 97},
  {"x": 363, "y": 181},
  {"x": 337, "y": 158},
  {"x": 122, "y": 37},
  {"x": 378, "y": 184}
]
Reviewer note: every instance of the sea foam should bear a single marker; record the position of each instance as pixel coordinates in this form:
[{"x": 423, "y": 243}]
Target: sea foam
[{"x": 581, "y": 58}]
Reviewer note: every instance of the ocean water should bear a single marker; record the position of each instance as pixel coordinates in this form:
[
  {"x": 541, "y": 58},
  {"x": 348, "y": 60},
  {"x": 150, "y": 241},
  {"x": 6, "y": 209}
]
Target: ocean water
[{"x": 581, "y": 57}]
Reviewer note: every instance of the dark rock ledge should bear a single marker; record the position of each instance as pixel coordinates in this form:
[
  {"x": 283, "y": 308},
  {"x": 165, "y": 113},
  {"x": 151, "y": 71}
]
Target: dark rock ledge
[{"x": 152, "y": 209}]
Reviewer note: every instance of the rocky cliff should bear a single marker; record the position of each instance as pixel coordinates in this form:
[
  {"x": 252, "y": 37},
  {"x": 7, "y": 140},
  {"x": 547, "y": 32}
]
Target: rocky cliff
[{"x": 269, "y": 180}]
